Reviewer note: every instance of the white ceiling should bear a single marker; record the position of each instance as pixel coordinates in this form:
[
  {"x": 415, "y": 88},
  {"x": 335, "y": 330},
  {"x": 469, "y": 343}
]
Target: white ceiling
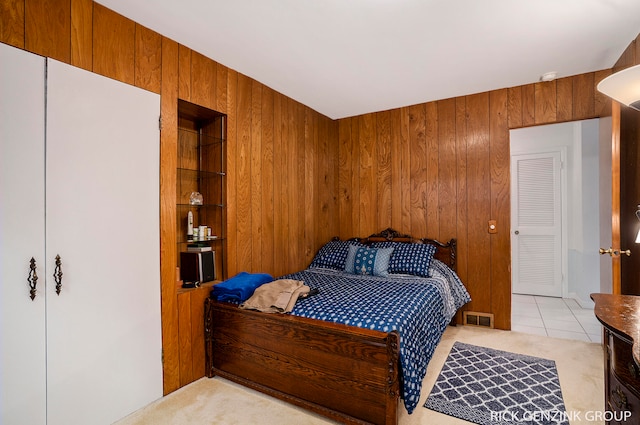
[{"x": 350, "y": 57}]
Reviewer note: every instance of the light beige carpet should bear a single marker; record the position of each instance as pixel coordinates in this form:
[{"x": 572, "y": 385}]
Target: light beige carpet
[{"x": 217, "y": 401}]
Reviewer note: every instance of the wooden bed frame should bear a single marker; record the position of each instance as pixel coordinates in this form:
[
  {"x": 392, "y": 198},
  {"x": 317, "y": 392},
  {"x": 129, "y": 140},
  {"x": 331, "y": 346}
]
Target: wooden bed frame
[{"x": 345, "y": 373}]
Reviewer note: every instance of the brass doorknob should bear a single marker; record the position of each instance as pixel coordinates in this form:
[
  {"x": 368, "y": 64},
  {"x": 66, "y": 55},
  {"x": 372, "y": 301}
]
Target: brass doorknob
[
  {"x": 614, "y": 252},
  {"x": 606, "y": 251}
]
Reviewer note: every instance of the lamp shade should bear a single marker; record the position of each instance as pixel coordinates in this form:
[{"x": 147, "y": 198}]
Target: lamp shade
[{"x": 623, "y": 86}]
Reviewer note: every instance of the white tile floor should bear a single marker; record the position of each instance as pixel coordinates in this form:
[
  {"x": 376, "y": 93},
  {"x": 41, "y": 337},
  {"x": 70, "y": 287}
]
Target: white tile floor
[{"x": 555, "y": 317}]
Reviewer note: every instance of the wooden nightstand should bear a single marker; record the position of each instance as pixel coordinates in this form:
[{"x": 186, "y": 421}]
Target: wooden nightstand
[{"x": 620, "y": 316}]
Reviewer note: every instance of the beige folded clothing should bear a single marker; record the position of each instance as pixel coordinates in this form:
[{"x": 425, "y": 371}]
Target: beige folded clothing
[{"x": 278, "y": 296}]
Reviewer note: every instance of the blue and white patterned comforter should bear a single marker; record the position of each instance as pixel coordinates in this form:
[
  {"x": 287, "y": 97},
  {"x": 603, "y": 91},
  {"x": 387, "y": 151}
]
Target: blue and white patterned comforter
[{"x": 418, "y": 308}]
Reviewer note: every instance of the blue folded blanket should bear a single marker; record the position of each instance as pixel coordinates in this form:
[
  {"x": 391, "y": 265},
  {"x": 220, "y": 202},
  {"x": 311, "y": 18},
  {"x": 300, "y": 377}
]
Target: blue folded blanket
[{"x": 240, "y": 287}]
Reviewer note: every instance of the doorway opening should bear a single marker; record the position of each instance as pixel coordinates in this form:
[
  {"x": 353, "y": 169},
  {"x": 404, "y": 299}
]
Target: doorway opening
[{"x": 560, "y": 182}]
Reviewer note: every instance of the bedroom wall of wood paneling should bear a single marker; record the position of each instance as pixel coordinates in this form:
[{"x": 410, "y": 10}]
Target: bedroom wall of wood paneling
[
  {"x": 282, "y": 156},
  {"x": 295, "y": 177},
  {"x": 441, "y": 170}
]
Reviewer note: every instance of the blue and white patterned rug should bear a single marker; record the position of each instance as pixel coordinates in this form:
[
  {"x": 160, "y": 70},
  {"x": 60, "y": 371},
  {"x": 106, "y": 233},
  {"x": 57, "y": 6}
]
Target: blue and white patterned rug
[{"x": 487, "y": 387}]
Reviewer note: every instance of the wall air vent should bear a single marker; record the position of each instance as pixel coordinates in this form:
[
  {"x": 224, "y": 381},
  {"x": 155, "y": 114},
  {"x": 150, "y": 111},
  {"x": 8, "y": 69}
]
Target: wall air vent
[{"x": 473, "y": 318}]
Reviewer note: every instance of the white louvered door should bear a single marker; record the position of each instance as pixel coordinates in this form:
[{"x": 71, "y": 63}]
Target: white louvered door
[{"x": 536, "y": 224}]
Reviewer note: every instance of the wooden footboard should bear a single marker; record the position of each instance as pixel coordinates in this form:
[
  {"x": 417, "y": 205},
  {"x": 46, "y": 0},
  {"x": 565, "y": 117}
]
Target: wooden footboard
[{"x": 345, "y": 373}]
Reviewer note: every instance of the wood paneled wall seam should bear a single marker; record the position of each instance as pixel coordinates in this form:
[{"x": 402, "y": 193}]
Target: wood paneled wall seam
[
  {"x": 48, "y": 28},
  {"x": 82, "y": 34}
]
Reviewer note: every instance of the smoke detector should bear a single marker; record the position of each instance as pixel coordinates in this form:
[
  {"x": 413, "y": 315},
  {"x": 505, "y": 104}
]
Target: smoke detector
[{"x": 548, "y": 76}]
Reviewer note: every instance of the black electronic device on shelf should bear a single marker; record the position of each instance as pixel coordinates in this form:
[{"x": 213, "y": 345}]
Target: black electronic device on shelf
[{"x": 197, "y": 266}]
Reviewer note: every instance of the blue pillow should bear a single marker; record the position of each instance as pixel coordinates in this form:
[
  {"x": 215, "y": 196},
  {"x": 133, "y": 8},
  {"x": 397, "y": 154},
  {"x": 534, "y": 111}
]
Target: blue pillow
[
  {"x": 368, "y": 261},
  {"x": 333, "y": 255},
  {"x": 409, "y": 258}
]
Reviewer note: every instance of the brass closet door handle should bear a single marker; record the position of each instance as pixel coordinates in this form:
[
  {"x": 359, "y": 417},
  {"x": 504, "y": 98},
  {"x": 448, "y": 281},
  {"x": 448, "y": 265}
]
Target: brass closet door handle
[
  {"x": 32, "y": 278},
  {"x": 57, "y": 274}
]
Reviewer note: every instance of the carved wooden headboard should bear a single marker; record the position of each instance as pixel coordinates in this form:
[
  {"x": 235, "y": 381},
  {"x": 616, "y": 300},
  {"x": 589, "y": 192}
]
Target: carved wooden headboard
[{"x": 445, "y": 252}]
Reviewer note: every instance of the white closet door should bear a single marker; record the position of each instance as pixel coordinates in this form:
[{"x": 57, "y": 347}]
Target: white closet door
[
  {"x": 104, "y": 330},
  {"x": 536, "y": 224},
  {"x": 22, "y": 321}
]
